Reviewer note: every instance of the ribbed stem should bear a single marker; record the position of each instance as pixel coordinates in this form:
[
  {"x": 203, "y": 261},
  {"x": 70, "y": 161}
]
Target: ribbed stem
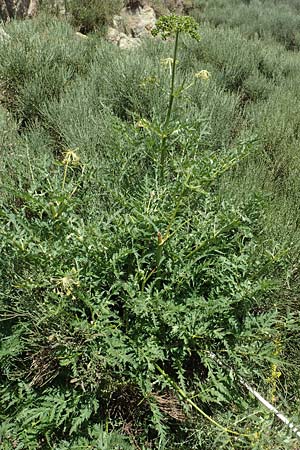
[{"x": 163, "y": 149}]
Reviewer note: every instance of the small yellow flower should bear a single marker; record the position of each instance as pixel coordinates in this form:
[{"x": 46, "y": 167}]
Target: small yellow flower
[
  {"x": 66, "y": 284},
  {"x": 151, "y": 80},
  {"x": 166, "y": 61},
  {"x": 203, "y": 75},
  {"x": 71, "y": 158},
  {"x": 142, "y": 123}
]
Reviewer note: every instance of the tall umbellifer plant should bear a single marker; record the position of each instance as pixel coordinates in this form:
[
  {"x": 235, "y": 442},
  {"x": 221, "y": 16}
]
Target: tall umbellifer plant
[
  {"x": 168, "y": 27},
  {"x": 125, "y": 304}
]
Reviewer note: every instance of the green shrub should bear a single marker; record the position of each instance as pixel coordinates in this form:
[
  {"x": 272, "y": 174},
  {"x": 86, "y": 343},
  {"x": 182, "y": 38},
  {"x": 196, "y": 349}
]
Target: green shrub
[
  {"x": 270, "y": 20},
  {"x": 39, "y": 62},
  {"x": 92, "y": 15}
]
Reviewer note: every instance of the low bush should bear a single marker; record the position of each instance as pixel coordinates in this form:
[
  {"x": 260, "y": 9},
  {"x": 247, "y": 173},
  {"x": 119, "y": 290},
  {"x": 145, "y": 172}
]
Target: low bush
[
  {"x": 92, "y": 15},
  {"x": 269, "y": 20},
  {"x": 38, "y": 62}
]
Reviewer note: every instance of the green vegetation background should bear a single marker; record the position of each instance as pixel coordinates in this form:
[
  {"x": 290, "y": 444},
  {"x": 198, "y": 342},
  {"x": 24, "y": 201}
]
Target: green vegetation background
[{"x": 88, "y": 314}]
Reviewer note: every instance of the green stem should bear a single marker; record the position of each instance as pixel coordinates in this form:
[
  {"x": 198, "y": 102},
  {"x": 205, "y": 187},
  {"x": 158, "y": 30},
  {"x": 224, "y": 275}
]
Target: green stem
[
  {"x": 159, "y": 250},
  {"x": 169, "y": 112},
  {"x": 171, "y": 99},
  {"x": 185, "y": 397},
  {"x": 163, "y": 239},
  {"x": 65, "y": 175},
  {"x": 163, "y": 149}
]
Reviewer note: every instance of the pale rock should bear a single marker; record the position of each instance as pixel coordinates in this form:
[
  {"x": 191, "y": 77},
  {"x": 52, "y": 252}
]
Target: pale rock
[
  {"x": 81, "y": 35},
  {"x": 127, "y": 42},
  {"x": 121, "y": 39},
  {"x": 132, "y": 24},
  {"x": 179, "y": 6},
  {"x": 3, "y": 35},
  {"x": 32, "y": 8},
  {"x": 138, "y": 22}
]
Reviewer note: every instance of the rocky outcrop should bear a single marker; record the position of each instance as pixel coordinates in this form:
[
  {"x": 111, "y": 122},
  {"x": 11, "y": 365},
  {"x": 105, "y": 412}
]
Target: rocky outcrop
[
  {"x": 17, "y": 8},
  {"x": 138, "y": 17},
  {"x": 121, "y": 39},
  {"x": 22, "y": 9},
  {"x": 137, "y": 22},
  {"x": 134, "y": 22},
  {"x": 28, "y": 8},
  {"x": 174, "y": 6}
]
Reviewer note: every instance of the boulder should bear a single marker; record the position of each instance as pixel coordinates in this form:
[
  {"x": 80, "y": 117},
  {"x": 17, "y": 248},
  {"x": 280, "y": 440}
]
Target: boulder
[
  {"x": 121, "y": 39},
  {"x": 136, "y": 22}
]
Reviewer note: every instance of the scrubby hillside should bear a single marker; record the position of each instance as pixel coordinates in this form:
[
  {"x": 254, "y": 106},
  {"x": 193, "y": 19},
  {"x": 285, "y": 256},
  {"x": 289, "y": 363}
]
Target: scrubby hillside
[{"x": 150, "y": 234}]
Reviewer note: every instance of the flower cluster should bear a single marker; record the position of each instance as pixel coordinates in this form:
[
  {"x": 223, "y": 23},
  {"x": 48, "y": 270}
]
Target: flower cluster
[
  {"x": 203, "y": 75},
  {"x": 71, "y": 158},
  {"x": 150, "y": 80},
  {"x": 167, "y": 26}
]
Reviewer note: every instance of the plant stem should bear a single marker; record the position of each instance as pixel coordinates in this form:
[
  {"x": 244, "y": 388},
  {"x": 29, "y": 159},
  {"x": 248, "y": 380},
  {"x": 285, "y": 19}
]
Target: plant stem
[
  {"x": 171, "y": 98},
  {"x": 185, "y": 397},
  {"x": 65, "y": 175},
  {"x": 169, "y": 112},
  {"x": 159, "y": 249}
]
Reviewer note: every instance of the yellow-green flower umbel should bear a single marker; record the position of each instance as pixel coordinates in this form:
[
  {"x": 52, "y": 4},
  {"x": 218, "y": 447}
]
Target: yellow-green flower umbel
[
  {"x": 203, "y": 75},
  {"x": 168, "y": 26}
]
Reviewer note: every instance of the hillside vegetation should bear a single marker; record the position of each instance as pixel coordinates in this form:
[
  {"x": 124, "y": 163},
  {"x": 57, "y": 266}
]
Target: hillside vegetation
[{"x": 150, "y": 233}]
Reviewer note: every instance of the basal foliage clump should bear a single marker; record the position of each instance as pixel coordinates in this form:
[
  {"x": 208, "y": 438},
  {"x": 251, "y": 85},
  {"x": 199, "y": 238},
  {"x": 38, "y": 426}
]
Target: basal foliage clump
[
  {"x": 118, "y": 284},
  {"x": 91, "y": 311}
]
